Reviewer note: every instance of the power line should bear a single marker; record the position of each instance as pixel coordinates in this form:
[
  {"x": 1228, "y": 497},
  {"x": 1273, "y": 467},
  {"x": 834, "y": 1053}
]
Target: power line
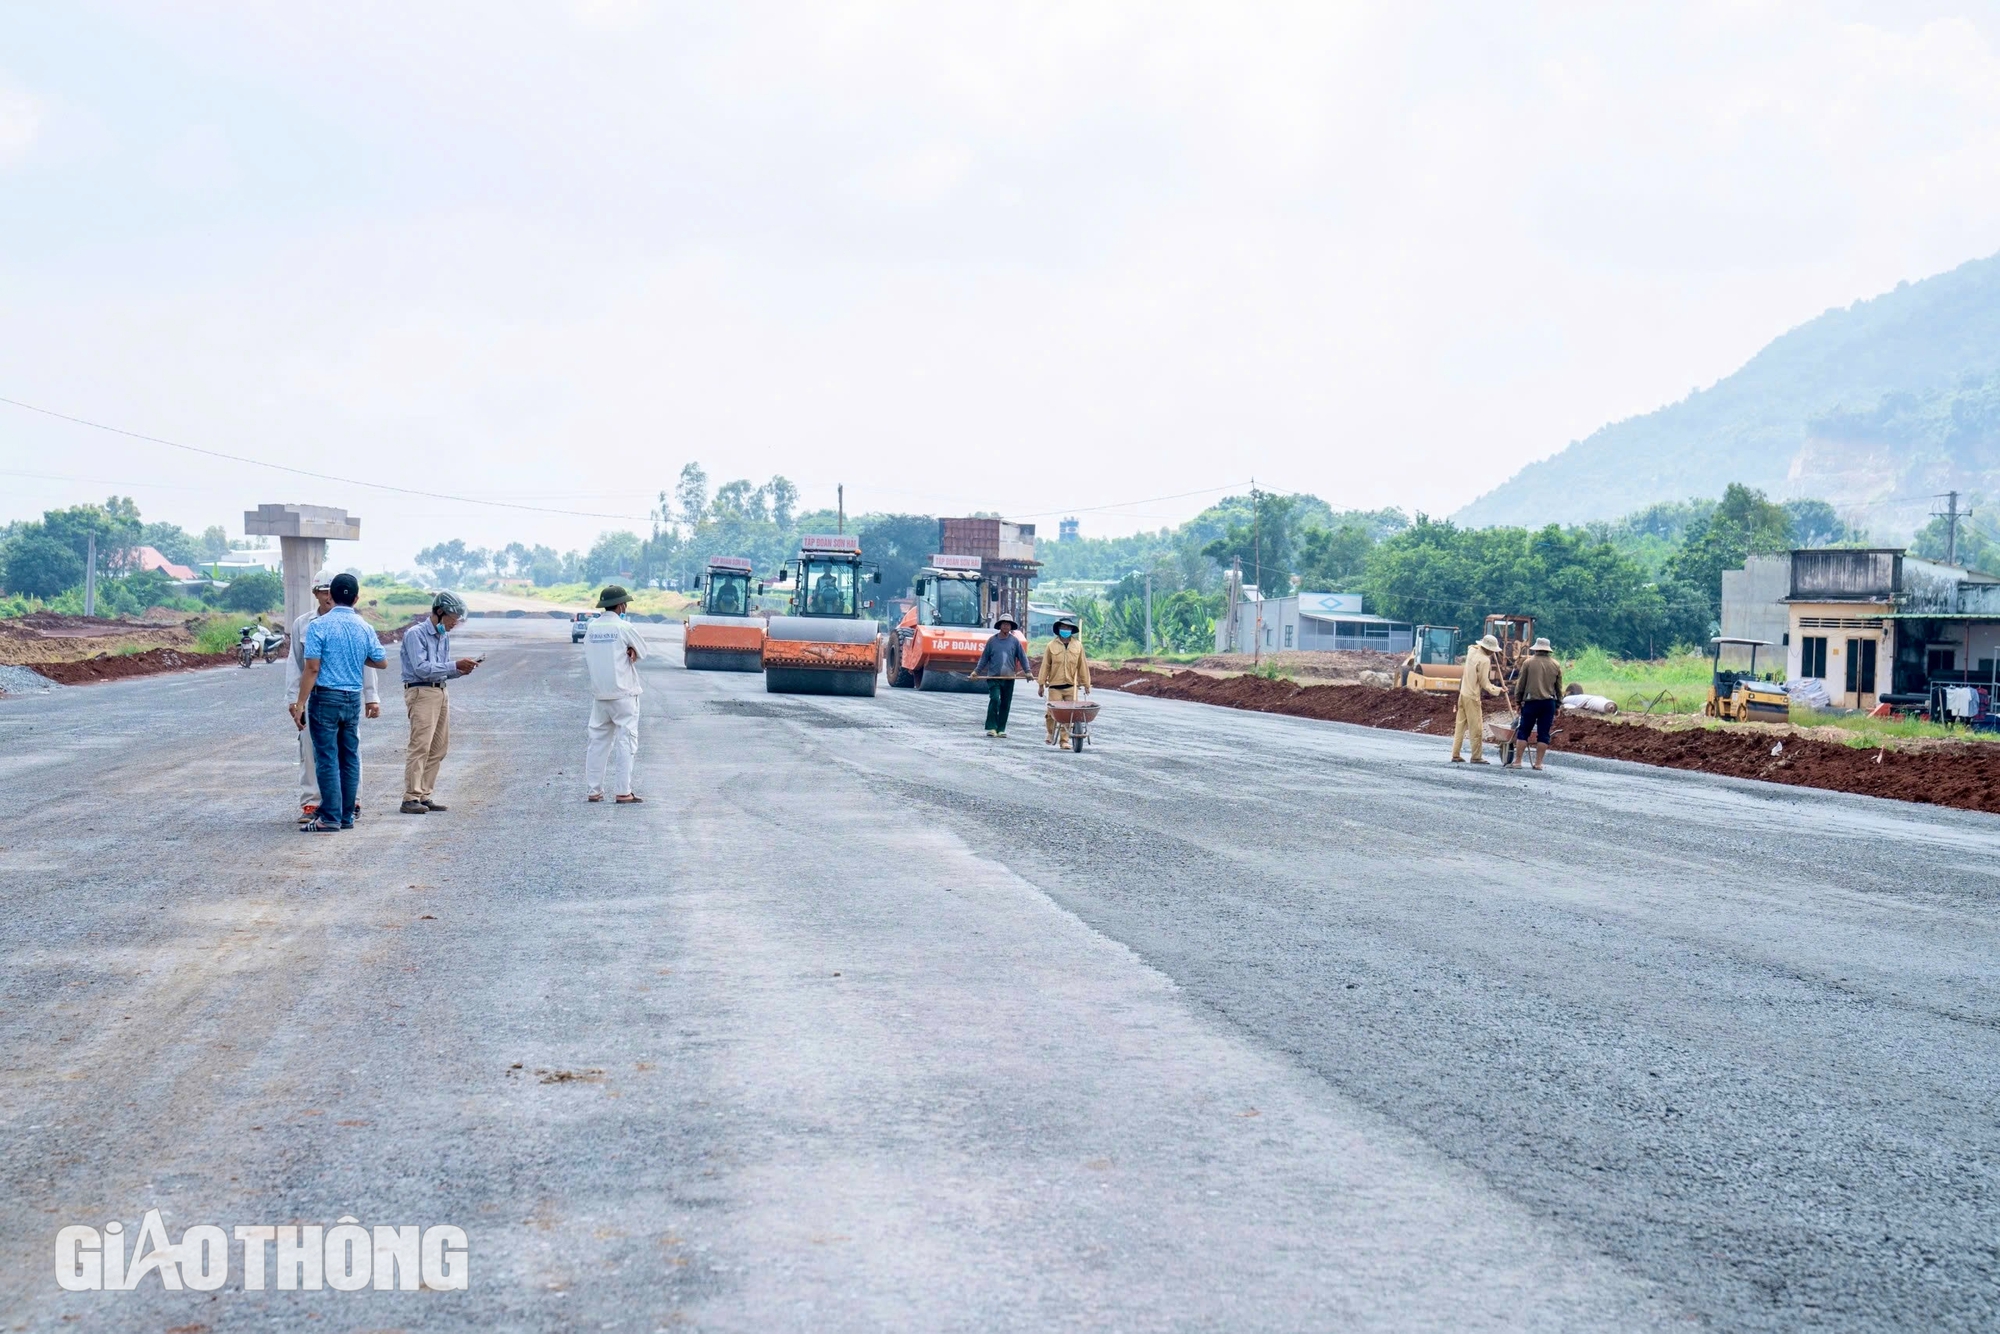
[
  {"x": 495, "y": 504},
  {"x": 320, "y": 476}
]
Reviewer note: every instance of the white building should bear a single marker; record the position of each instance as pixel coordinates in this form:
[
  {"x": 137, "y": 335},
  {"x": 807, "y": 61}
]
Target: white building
[{"x": 1310, "y": 621}]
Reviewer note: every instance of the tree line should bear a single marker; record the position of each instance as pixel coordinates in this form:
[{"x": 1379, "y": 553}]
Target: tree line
[{"x": 45, "y": 560}]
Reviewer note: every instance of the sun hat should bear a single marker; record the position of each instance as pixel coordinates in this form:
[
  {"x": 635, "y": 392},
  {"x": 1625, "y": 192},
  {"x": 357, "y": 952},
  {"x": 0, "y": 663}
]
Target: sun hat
[
  {"x": 1004, "y": 619},
  {"x": 1490, "y": 644},
  {"x": 612, "y": 596},
  {"x": 1069, "y": 621},
  {"x": 1542, "y": 645}
]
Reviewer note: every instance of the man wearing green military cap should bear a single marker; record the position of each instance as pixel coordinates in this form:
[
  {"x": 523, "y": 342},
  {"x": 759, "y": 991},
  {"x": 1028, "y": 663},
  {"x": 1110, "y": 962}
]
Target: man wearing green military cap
[{"x": 611, "y": 650}]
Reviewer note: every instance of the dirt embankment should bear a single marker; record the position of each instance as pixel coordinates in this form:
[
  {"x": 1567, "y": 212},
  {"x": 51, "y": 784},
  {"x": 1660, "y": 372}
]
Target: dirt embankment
[
  {"x": 1962, "y": 775},
  {"x": 117, "y": 666},
  {"x": 32, "y": 640}
]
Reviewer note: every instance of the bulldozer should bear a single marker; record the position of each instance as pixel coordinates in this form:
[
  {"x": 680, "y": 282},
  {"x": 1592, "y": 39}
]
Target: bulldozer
[
  {"x": 827, "y": 643},
  {"x": 727, "y": 634},
  {"x": 938, "y": 641},
  {"x": 1433, "y": 666},
  {"x": 1736, "y": 697}
]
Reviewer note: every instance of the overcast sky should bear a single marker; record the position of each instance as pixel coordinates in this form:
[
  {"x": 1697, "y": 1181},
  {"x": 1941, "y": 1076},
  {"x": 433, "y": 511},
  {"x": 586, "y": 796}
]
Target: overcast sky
[{"x": 1028, "y": 258}]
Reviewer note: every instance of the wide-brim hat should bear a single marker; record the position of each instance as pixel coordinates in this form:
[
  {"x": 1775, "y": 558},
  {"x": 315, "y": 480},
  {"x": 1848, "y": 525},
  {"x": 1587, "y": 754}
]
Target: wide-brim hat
[
  {"x": 1542, "y": 645},
  {"x": 1004, "y": 619},
  {"x": 612, "y": 596},
  {"x": 1069, "y": 621},
  {"x": 1490, "y": 644}
]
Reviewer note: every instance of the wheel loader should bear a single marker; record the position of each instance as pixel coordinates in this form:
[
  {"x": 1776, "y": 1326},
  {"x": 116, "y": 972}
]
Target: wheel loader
[
  {"x": 1433, "y": 666},
  {"x": 938, "y": 641},
  {"x": 1739, "y": 696},
  {"x": 828, "y": 643},
  {"x": 727, "y": 634}
]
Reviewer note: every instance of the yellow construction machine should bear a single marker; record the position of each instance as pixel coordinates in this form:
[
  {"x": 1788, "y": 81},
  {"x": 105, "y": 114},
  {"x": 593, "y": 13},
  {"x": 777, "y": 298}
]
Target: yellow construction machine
[
  {"x": 1739, "y": 696},
  {"x": 1433, "y": 666}
]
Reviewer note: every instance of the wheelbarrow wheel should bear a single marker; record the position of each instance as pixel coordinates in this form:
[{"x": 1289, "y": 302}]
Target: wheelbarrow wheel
[{"x": 1076, "y": 742}]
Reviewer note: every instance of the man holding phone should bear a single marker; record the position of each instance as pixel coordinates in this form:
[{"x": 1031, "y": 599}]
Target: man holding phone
[{"x": 427, "y": 665}]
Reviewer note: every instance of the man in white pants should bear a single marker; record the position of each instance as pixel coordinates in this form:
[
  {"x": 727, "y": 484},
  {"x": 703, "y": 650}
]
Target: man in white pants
[
  {"x": 611, "y": 650},
  {"x": 295, "y": 665}
]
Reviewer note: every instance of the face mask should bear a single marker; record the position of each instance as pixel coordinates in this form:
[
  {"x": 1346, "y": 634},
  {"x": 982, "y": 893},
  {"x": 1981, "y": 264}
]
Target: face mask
[{"x": 1062, "y": 634}]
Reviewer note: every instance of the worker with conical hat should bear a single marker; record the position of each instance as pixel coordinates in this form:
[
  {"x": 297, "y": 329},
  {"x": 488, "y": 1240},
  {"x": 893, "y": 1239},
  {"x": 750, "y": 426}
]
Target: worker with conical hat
[
  {"x": 1473, "y": 688},
  {"x": 1538, "y": 693},
  {"x": 1002, "y": 662},
  {"x": 1064, "y": 670}
]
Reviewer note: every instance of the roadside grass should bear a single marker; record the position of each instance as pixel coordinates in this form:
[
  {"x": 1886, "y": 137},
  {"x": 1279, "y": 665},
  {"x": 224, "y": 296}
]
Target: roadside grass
[
  {"x": 1865, "y": 731},
  {"x": 1683, "y": 675},
  {"x": 646, "y": 601},
  {"x": 217, "y": 633}
]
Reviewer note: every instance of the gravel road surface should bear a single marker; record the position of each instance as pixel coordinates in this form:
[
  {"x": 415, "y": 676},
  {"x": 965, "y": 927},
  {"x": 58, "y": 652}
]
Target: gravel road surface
[{"x": 863, "y": 1021}]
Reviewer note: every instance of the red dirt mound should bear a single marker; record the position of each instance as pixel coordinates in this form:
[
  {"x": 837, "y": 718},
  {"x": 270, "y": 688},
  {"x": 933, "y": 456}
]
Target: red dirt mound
[
  {"x": 112, "y": 667},
  {"x": 1964, "y": 776}
]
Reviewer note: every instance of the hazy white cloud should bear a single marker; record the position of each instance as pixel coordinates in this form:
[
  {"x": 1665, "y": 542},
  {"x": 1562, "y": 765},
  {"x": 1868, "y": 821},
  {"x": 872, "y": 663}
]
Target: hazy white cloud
[
  {"x": 944, "y": 253},
  {"x": 20, "y": 122}
]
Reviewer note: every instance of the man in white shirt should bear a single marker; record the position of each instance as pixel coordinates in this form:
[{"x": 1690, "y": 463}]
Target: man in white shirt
[
  {"x": 371, "y": 694},
  {"x": 611, "y": 650}
]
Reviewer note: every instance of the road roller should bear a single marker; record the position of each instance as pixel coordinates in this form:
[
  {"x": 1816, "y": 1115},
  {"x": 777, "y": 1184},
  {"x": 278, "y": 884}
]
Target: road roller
[
  {"x": 727, "y": 634},
  {"x": 939, "y": 639},
  {"x": 828, "y": 643}
]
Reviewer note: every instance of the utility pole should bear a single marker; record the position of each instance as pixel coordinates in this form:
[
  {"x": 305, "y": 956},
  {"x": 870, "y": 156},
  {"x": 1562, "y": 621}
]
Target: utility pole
[
  {"x": 1149, "y": 611},
  {"x": 1952, "y": 514},
  {"x": 1257, "y": 568},
  {"x": 841, "y": 492},
  {"x": 90, "y": 574}
]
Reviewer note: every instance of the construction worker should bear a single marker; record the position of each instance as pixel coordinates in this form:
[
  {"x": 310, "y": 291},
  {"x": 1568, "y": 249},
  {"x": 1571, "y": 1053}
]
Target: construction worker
[
  {"x": 828, "y": 599},
  {"x": 1002, "y": 662},
  {"x": 1473, "y": 688},
  {"x": 1064, "y": 670},
  {"x": 339, "y": 645},
  {"x": 611, "y": 650},
  {"x": 427, "y": 665},
  {"x": 729, "y": 601},
  {"x": 295, "y": 662},
  {"x": 1538, "y": 694}
]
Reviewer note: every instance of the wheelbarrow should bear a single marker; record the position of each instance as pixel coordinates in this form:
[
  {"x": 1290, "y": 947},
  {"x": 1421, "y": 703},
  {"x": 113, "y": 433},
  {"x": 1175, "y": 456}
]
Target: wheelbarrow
[
  {"x": 1076, "y": 715},
  {"x": 1500, "y": 732}
]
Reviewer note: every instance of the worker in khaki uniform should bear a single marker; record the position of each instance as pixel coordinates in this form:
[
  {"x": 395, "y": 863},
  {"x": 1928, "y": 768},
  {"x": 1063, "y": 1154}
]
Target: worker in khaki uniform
[
  {"x": 1064, "y": 670},
  {"x": 427, "y": 665},
  {"x": 1473, "y": 688},
  {"x": 611, "y": 651}
]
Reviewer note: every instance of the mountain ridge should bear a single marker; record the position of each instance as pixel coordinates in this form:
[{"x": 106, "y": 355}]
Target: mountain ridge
[{"x": 1789, "y": 420}]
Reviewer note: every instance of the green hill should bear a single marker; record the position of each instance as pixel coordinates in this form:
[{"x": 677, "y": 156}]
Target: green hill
[{"x": 1871, "y": 407}]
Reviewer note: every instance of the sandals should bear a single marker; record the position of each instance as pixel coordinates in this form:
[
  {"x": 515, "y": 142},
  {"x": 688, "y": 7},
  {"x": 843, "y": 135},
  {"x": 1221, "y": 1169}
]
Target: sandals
[
  {"x": 595, "y": 796},
  {"x": 629, "y": 799}
]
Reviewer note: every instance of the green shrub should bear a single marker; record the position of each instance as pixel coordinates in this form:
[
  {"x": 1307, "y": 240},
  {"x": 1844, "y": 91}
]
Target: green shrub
[{"x": 254, "y": 591}]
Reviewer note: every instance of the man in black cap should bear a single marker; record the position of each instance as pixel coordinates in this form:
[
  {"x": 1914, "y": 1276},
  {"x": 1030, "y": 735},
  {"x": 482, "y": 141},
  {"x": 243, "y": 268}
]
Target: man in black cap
[{"x": 339, "y": 647}]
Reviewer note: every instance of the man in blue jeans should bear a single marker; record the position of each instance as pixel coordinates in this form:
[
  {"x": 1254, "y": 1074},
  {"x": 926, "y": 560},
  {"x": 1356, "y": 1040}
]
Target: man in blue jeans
[{"x": 338, "y": 646}]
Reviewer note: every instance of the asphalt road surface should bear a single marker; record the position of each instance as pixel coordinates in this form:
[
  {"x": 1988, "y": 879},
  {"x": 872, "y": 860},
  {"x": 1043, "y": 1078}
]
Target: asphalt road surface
[{"x": 865, "y": 1022}]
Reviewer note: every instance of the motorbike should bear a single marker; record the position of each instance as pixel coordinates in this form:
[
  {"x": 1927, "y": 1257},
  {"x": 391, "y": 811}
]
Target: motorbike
[{"x": 258, "y": 641}]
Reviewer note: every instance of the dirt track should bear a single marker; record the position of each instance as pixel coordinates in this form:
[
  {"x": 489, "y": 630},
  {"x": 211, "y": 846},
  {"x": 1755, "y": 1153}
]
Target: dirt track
[
  {"x": 1966, "y": 775},
  {"x": 114, "y": 667}
]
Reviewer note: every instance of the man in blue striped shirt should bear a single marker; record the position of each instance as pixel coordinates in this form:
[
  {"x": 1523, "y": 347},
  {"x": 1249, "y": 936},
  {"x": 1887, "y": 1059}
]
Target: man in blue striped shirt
[{"x": 338, "y": 646}]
